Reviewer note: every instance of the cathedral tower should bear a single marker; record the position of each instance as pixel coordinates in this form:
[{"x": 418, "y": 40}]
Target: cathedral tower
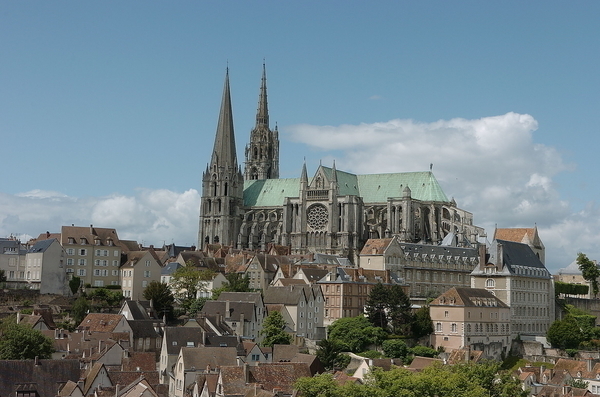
[
  {"x": 262, "y": 153},
  {"x": 222, "y": 183}
]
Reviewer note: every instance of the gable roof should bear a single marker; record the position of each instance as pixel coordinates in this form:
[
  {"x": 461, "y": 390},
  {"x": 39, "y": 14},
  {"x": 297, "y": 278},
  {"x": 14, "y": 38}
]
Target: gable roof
[
  {"x": 203, "y": 356},
  {"x": 468, "y": 297},
  {"x": 375, "y": 246},
  {"x": 177, "y": 337},
  {"x": 43, "y": 376},
  {"x": 101, "y": 322},
  {"x": 236, "y": 309},
  {"x": 525, "y": 235},
  {"x": 515, "y": 254}
]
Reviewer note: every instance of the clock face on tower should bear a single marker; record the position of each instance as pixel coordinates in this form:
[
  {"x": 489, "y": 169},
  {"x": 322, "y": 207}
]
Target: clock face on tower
[{"x": 317, "y": 217}]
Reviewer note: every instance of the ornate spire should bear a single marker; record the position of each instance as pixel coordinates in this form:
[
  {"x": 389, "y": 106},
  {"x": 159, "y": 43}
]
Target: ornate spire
[
  {"x": 262, "y": 114},
  {"x": 224, "y": 150}
]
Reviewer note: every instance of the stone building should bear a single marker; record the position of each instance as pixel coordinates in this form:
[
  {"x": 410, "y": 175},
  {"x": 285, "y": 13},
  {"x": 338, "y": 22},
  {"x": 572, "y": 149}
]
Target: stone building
[
  {"x": 333, "y": 212},
  {"x": 515, "y": 274},
  {"x": 471, "y": 318}
]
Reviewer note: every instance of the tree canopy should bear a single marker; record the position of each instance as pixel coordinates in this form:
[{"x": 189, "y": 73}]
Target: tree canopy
[
  {"x": 355, "y": 334},
  {"x": 461, "y": 380},
  {"x": 273, "y": 331},
  {"x": 388, "y": 307},
  {"x": 589, "y": 271},
  {"x": 188, "y": 280},
  {"x": 161, "y": 296},
  {"x": 330, "y": 354},
  {"x": 565, "y": 333},
  {"x": 20, "y": 342},
  {"x": 236, "y": 282}
]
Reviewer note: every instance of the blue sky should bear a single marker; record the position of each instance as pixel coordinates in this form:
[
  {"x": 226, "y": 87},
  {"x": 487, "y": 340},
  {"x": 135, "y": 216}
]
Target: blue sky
[{"x": 108, "y": 109}]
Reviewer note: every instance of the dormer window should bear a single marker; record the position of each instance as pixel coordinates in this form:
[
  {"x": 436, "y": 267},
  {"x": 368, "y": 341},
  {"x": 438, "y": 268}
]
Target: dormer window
[
  {"x": 71, "y": 240},
  {"x": 83, "y": 241},
  {"x": 97, "y": 241}
]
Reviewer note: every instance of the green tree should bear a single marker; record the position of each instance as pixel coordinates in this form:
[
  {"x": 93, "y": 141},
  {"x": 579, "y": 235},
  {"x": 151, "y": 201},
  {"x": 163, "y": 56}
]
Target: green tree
[
  {"x": 19, "y": 342},
  {"x": 187, "y": 281},
  {"x": 589, "y": 271},
  {"x": 329, "y": 352},
  {"x": 578, "y": 383},
  {"x": 74, "y": 284},
  {"x": 389, "y": 306},
  {"x": 273, "y": 331},
  {"x": 355, "y": 333},
  {"x": 196, "y": 306},
  {"x": 565, "y": 333},
  {"x": 395, "y": 348},
  {"x": 422, "y": 324},
  {"x": 322, "y": 385},
  {"x": 236, "y": 282},
  {"x": 161, "y": 296},
  {"x": 2, "y": 276},
  {"x": 80, "y": 309},
  {"x": 423, "y": 351},
  {"x": 102, "y": 297}
]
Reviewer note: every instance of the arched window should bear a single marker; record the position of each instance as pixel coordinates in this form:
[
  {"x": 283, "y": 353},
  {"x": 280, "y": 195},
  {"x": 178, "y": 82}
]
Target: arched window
[{"x": 490, "y": 283}]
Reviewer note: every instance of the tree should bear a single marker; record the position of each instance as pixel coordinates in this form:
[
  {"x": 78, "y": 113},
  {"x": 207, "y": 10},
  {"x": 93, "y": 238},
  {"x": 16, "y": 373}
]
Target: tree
[
  {"x": 19, "y": 342},
  {"x": 589, "y": 271},
  {"x": 2, "y": 276},
  {"x": 578, "y": 383},
  {"x": 389, "y": 306},
  {"x": 102, "y": 297},
  {"x": 80, "y": 309},
  {"x": 330, "y": 354},
  {"x": 74, "y": 284},
  {"x": 565, "y": 333},
  {"x": 355, "y": 334},
  {"x": 161, "y": 296},
  {"x": 395, "y": 348},
  {"x": 236, "y": 282},
  {"x": 273, "y": 331},
  {"x": 187, "y": 281},
  {"x": 424, "y": 351},
  {"x": 422, "y": 324}
]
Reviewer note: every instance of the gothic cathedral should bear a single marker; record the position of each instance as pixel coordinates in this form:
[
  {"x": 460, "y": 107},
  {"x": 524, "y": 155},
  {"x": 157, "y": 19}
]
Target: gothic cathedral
[{"x": 333, "y": 212}]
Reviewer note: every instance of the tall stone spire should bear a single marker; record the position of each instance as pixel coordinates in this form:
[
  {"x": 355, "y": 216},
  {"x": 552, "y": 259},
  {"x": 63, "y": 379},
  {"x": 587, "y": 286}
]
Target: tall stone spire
[
  {"x": 262, "y": 114},
  {"x": 224, "y": 154},
  {"x": 262, "y": 152},
  {"x": 222, "y": 184}
]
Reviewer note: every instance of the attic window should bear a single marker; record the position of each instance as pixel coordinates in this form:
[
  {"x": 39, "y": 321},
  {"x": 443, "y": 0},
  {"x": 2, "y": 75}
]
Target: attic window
[
  {"x": 174, "y": 343},
  {"x": 190, "y": 344}
]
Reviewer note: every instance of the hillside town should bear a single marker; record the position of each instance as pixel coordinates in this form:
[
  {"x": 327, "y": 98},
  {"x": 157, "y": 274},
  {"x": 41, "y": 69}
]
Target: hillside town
[{"x": 327, "y": 285}]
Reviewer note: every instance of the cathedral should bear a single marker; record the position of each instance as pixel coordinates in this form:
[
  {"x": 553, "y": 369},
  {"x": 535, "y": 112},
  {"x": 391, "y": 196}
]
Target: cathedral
[{"x": 333, "y": 212}]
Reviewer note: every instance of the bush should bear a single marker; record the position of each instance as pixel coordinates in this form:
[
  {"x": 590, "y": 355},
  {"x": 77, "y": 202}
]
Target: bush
[
  {"x": 424, "y": 351},
  {"x": 371, "y": 354},
  {"x": 395, "y": 348}
]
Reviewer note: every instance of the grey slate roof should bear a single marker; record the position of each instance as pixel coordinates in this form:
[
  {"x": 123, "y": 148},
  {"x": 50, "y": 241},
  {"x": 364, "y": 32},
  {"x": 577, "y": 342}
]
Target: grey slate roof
[
  {"x": 41, "y": 246},
  {"x": 178, "y": 337},
  {"x": 516, "y": 255},
  {"x": 253, "y": 297},
  {"x": 235, "y": 310},
  {"x": 201, "y": 357},
  {"x": 45, "y": 377},
  {"x": 170, "y": 268},
  {"x": 290, "y": 295}
]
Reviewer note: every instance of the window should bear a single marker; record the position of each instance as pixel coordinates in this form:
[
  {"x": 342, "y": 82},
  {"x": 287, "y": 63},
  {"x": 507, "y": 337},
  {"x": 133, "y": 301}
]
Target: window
[
  {"x": 99, "y": 283},
  {"x": 82, "y": 262},
  {"x": 115, "y": 263},
  {"x": 147, "y": 263},
  {"x": 438, "y": 327},
  {"x": 70, "y": 251},
  {"x": 81, "y": 272},
  {"x": 144, "y": 284},
  {"x": 115, "y": 272},
  {"x": 83, "y": 252},
  {"x": 70, "y": 262},
  {"x": 446, "y": 314},
  {"x": 116, "y": 253},
  {"x": 70, "y": 270},
  {"x": 147, "y": 273},
  {"x": 490, "y": 283},
  {"x": 255, "y": 357},
  {"x": 453, "y": 327}
]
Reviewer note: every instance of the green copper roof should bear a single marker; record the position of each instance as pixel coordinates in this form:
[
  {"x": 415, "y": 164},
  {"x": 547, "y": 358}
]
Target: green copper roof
[
  {"x": 270, "y": 192},
  {"x": 374, "y": 188}
]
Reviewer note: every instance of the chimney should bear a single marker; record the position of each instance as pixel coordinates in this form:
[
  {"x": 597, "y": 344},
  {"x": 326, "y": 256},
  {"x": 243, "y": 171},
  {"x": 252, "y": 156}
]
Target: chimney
[
  {"x": 57, "y": 333},
  {"x": 47, "y": 234},
  {"x": 37, "y": 360},
  {"x": 92, "y": 230},
  {"x": 542, "y": 369},
  {"x": 18, "y": 317},
  {"x": 481, "y": 255},
  {"x": 241, "y": 325},
  {"x": 590, "y": 365},
  {"x": 246, "y": 373},
  {"x": 499, "y": 259},
  {"x": 227, "y": 314}
]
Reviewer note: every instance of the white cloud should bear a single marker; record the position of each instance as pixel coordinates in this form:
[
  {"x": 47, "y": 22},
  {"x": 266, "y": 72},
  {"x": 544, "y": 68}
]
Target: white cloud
[
  {"x": 151, "y": 216},
  {"x": 491, "y": 166}
]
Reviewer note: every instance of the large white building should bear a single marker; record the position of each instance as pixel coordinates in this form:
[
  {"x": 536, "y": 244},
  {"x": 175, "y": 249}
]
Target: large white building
[{"x": 515, "y": 274}]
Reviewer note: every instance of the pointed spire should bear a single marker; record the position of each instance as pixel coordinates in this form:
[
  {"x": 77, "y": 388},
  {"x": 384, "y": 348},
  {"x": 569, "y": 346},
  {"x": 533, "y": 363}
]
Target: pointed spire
[
  {"x": 224, "y": 149},
  {"x": 262, "y": 114},
  {"x": 334, "y": 173},
  {"x": 304, "y": 175}
]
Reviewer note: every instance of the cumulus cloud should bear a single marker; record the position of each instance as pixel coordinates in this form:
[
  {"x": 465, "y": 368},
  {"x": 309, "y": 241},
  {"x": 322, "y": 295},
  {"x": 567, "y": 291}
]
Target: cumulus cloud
[
  {"x": 150, "y": 216},
  {"x": 492, "y": 167}
]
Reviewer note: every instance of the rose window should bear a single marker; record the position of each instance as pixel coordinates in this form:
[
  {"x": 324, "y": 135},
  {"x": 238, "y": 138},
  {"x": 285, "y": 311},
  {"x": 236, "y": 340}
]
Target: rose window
[{"x": 317, "y": 216}]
